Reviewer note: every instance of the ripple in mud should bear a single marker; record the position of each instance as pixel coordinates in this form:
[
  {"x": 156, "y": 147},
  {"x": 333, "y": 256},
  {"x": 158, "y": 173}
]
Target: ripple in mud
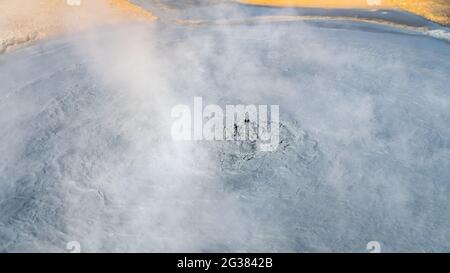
[{"x": 244, "y": 167}]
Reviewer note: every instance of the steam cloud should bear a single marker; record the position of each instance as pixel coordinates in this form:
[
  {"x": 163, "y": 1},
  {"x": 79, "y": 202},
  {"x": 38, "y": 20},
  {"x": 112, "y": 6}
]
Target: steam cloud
[{"x": 86, "y": 152}]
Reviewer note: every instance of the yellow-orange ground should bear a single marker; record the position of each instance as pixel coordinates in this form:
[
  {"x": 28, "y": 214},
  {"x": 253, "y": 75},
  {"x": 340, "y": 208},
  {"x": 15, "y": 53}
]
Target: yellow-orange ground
[
  {"x": 435, "y": 10},
  {"x": 23, "y": 21},
  {"x": 323, "y": 3}
]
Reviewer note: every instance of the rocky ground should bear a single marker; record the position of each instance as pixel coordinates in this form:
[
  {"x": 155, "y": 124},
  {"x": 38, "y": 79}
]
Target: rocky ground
[{"x": 24, "y": 21}]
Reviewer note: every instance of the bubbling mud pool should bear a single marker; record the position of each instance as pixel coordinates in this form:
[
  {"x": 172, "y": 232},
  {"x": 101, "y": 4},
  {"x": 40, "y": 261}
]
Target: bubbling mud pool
[{"x": 86, "y": 153}]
